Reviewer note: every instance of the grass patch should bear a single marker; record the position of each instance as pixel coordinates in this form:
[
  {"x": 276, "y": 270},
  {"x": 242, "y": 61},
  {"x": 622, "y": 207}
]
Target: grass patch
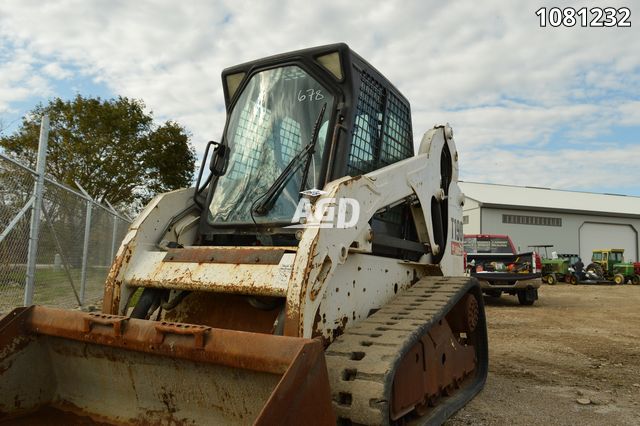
[{"x": 52, "y": 286}]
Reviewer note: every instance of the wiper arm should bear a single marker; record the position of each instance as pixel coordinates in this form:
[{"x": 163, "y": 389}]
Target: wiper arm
[{"x": 269, "y": 197}]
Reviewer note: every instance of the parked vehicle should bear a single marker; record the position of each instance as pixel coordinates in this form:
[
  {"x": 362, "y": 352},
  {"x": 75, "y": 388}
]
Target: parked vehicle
[
  {"x": 557, "y": 267},
  {"x": 221, "y": 309},
  {"x": 572, "y": 258},
  {"x": 554, "y": 269},
  {"x": 608, "y": 266},
  {"x": 495, "y": 262}
]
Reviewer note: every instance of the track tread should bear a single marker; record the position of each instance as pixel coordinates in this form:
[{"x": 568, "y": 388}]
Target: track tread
[{"x": 361, "y": 383}]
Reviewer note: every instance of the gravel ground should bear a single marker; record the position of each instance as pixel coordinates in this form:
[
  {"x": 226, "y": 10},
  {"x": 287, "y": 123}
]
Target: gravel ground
[{"x": 572, "y": 358}]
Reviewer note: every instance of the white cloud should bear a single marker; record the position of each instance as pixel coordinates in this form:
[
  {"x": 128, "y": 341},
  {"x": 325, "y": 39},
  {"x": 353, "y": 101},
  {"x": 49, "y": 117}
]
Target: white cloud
[
  {"x": 56, "y": 71},
  {"x": 486, "y": 68},
  {"x": 19, "y": 78},
  {"x": 630, "y": 113}
]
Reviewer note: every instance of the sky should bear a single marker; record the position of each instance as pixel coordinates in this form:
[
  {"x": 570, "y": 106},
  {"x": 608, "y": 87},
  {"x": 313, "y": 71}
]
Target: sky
[{"x": 548, "y": 107}]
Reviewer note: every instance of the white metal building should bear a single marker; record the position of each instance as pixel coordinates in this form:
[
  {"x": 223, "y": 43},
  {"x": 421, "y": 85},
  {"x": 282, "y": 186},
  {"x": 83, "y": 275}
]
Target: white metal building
[{"x": 574, "y": 222}]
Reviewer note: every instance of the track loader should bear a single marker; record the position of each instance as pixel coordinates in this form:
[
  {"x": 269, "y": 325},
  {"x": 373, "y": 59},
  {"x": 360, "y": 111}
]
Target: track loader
[{"x": 313, "y": 276}]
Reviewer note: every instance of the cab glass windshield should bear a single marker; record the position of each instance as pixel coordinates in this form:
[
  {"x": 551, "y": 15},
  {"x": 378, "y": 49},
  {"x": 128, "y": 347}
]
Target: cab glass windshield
[
  {"x": 616, "y": 256},
  {"x": 271, "y": 123}
]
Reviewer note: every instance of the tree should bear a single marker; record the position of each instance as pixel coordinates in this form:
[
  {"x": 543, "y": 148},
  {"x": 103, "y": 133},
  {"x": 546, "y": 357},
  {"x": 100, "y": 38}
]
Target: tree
[{"x": 111, "y": 147}]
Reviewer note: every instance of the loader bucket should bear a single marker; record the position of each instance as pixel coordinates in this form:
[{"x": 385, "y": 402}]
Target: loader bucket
[{"x": 70, "y": 367}]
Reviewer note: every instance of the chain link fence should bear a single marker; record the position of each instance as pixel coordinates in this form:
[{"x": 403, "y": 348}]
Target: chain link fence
[
  {"x": 77, "y": 241},
  {"x": 16, "y": 187}
]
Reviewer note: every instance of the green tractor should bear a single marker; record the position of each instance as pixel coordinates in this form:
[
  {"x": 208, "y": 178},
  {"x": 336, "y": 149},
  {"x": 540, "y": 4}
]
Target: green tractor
[
  {"x": 609, "y": 264},
  {"x": 555, "y": 269}
]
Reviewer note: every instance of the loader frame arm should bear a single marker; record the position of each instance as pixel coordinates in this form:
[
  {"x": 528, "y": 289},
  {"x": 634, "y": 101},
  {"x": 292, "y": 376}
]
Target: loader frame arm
[
  {"x": 326, "y": 248},
  {"x": 317, "y": 268}
]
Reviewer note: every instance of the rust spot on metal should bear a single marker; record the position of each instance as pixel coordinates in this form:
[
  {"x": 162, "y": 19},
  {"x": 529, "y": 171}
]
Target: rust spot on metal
[
  {"x": 12, "y": 333},
  {"x": 464, "y": 317},
  {"x": 197, "y": 331},
  {"x": 302, "y": 391},
  {"x": 227, "y": 311},
  {"x": 234, "y": 255},
  {"x": 63, "y": 413},
  {"x": 114, "y": 321},
  {"x": 317, "y": 326},
  {"x": 168, "y": 399},
  {"x": 323, "y": 273},
  {"x": 415, "y": 386},
  {"x": 252, "y": 351},
  {"x": 294, "y": 317},
  {"x": 111, "y": 298},
  {"x": 186, "y": 282},
  {"x": 340, "y": 328}
]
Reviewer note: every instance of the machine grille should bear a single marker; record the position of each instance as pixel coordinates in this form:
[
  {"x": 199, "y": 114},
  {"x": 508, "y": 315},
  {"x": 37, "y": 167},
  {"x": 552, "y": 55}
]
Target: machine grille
[{"x": 382, "y": 128}]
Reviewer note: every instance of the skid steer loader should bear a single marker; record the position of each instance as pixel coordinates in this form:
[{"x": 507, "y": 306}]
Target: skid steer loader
[{"x": 313, "y": 276}]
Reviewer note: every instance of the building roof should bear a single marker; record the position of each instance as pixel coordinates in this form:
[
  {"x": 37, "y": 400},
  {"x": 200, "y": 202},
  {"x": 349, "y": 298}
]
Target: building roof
[{"x": 535, "y": 198}]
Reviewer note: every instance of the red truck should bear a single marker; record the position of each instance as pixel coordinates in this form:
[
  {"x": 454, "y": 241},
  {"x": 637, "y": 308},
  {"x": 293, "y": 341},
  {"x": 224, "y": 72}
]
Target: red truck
[{"x": 495, "y": 262}]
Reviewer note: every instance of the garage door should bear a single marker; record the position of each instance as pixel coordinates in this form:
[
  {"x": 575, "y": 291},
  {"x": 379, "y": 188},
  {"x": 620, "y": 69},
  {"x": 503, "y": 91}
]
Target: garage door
[{"x": 603, "y": 236}]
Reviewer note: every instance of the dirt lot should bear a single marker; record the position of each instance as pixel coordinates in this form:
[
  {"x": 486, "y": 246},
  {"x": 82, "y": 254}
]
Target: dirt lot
[{"x": 572, "y": 358}]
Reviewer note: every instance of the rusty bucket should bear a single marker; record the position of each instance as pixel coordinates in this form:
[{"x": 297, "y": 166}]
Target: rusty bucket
[{"x": 70, "y": 367}]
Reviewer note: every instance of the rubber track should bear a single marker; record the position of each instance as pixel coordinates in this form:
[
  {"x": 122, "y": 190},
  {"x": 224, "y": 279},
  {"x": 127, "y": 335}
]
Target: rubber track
[{"x": 362, "y": 361}]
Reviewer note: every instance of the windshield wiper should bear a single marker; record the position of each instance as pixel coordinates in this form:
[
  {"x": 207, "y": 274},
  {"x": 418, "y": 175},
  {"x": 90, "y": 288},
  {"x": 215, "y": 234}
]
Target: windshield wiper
[{"x": 269, "y": 197}]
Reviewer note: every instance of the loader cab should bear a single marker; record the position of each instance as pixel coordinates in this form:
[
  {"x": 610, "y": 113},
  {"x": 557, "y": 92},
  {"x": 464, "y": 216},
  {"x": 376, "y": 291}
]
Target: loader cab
[{"x": 327, "y": 97}]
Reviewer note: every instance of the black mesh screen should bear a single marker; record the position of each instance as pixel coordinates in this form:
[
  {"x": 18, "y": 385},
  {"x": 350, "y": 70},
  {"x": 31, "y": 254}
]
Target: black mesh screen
[
  {"x": 382, "y": 129},
  {"x": 397, "y": 141},
  {"x": 365, "y": 144},
  {"x": 381, "y": 136}
]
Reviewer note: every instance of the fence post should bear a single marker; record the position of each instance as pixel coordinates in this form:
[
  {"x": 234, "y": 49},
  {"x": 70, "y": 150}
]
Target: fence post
[
  {"x": 34, "y": 229},
  {"x": 85, "y": 251}
]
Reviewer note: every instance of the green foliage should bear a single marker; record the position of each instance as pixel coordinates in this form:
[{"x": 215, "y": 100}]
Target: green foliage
[{"x": 111, "y": 147}]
